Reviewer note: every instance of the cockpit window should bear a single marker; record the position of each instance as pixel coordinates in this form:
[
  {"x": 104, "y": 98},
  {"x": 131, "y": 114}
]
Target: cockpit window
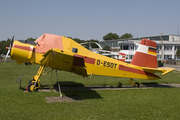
[
  {"x": 75, "y": 50},
  {"x": 27, "y": 42}
]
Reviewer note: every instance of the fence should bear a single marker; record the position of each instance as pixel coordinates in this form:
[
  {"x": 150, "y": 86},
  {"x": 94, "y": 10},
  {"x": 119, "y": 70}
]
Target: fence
[{"x": 173, "y": 62}]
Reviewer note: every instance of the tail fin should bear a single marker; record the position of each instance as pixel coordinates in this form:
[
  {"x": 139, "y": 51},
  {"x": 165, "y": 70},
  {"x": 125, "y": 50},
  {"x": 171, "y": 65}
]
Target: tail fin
[{"x": 146, "y": 54}]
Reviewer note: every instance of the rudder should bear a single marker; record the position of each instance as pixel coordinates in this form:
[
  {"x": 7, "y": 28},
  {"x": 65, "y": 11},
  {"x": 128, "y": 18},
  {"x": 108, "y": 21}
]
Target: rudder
[{"x": 145, "y": 55}]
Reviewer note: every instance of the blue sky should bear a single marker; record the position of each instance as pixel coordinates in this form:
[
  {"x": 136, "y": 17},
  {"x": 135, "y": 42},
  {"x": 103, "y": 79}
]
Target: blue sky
[{"x": 88, "y": 18}]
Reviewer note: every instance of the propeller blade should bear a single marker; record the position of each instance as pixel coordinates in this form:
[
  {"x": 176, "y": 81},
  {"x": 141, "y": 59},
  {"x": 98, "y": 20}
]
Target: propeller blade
[
  {"x": 9, "y": 48},
  {"x": 12, "y": 42},
  {"x": 7, "y": 54}
]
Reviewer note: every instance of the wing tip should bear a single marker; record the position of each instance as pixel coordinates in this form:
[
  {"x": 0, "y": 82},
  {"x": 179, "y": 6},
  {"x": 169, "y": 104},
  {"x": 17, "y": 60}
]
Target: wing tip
[{"x": 167, "y": 71}]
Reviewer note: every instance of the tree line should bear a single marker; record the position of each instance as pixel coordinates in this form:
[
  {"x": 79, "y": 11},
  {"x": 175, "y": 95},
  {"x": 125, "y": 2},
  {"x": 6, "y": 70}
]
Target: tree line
[
  {"x": 3, "y": 45},
  {"x": 6, "y": 43},
  {"x": 114, "y": 36},
  {"x": 109, "y": 36}
]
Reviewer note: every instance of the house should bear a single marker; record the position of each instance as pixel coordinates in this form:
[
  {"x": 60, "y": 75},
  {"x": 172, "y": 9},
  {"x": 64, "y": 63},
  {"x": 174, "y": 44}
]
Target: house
[{"x": 167, "y": 45}]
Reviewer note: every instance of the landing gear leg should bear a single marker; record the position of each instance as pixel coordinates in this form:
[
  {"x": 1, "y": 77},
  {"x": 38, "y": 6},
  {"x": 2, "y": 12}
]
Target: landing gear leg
[
  {"x": 135, "y": 84},
  {"x": 34, "y": 84}
]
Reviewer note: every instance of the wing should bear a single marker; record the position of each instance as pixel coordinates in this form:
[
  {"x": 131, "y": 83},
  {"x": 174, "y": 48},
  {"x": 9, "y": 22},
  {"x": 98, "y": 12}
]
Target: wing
[
  {"x": 62, "y": 60},
  {"x": 164, "y": 70}
]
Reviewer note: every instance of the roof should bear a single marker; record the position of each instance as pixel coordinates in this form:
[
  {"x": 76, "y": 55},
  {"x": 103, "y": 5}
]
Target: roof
[{"x": 140, "y": 38}]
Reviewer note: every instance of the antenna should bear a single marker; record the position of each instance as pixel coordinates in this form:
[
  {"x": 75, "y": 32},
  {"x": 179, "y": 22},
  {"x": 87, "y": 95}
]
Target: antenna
[
  {"x": 177, "y": 30},
  {"x": 139, "y": 31}
]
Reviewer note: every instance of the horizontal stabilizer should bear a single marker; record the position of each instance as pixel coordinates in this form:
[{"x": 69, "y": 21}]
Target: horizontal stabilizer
[{"x": 164, "y": 70}]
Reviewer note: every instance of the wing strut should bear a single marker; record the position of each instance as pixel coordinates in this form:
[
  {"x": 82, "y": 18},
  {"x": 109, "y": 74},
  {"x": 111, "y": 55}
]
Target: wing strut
[{"x": 60, "y": 95}]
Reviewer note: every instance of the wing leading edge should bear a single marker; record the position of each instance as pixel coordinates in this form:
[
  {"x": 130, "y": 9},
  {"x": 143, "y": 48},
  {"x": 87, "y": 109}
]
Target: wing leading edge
[{"x": 63, "y": 60}]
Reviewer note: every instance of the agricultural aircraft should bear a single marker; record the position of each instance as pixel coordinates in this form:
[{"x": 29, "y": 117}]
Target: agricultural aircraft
[{"x": 54, "y": 52}]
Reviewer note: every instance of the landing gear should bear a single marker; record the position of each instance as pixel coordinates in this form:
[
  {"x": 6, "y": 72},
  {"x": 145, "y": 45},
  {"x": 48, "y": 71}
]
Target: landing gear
[
  {"x": 30, "y": 87},
  {"x": 135, "y": 84},
  {"x": 34, "y": 83},
  {"x": 31, "y": 81}
]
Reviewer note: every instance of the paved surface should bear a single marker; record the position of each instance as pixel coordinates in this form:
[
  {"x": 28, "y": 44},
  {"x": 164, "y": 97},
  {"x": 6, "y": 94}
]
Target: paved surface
[
  {"x": 62, "y": 99},
  {"x": 75, "y": 99},
  {"x": 92, "y": 88},
  {"x": 177, "y": 67},
  {"x": 163, "y": 85}
]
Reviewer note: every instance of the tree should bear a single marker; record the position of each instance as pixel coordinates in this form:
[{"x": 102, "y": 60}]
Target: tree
[
  {"x": 111, "y": 36},
  {"x": 106, "y": 47},
  {"x": 31, "y": 39},
  {"x": 178, "y": 53},
  {"x": 3, "y": 45},
  {"x": 126, "y": 35}
]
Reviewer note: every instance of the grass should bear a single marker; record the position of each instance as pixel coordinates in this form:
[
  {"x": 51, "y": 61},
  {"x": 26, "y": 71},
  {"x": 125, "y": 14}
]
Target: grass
[{"x": 154, "y": 103}]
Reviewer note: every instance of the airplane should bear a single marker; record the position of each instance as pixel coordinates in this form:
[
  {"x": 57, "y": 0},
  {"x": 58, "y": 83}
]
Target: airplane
[
  {"x": 54, "y": 52},
  {"x": 119, "y": 56}
]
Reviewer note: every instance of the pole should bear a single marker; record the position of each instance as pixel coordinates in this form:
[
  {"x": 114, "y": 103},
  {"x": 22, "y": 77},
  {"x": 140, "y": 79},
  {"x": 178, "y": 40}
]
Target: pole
[{"x": 161, "y": 48}]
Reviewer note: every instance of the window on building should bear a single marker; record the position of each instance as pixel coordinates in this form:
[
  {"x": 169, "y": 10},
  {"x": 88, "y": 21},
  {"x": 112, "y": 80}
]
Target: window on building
[
  {"x": 125, "y": 46},
  {"x": 158, "y": 48},
  {"x": 177, "y": 47},
  {"x": 131, "y": 57},
  {"x": 167, "y": 47},
  {"x": 158, "y": 57},
  {"x": 177, "y": 57},
  {"x": 136, "y": 47},
  {"x": 131, "y": 47},
  {"x": 115, "y": 44},
  {"x": 167, "y": 56}
]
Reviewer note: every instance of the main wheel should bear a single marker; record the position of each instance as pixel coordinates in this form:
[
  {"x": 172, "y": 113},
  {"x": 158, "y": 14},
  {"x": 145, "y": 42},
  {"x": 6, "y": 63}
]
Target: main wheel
[{"x": 30, "y": 87}]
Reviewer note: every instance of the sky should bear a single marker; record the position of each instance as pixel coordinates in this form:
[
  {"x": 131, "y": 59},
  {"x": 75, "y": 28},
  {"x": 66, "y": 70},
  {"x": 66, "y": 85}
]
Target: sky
[{"x": 88, "y": 18}]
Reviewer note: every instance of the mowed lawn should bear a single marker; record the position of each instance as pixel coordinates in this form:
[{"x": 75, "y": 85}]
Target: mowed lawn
[{"x": 152, "y": 103}]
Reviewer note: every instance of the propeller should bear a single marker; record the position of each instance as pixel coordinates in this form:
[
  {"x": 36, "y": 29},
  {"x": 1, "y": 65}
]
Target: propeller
[{"x": 9, "y": 48}]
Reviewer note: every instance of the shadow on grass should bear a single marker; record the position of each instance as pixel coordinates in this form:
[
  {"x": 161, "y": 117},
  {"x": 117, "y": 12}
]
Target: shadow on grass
[
  {"x": 74, "y": 90},
  {"x": 155, "y": 84}
]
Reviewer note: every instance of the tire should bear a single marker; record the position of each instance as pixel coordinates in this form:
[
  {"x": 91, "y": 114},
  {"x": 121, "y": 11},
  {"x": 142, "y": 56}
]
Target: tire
[
  {"x": 31, "y": 81},
  {"x": 137, "y": 84},
  {"x": 30, "y": 87}
]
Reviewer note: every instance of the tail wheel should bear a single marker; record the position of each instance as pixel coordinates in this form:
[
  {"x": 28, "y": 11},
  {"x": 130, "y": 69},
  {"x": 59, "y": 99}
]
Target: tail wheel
[{"x": 136, "y": 84}]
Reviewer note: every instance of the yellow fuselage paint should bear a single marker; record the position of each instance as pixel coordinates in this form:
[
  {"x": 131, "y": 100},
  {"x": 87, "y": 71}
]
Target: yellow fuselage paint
[{"x": 95, "y": 64}]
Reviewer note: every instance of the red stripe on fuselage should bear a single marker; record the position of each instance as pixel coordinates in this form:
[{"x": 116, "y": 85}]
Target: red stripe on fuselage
[
  {"x": 92, "y": 61},
  {"x": 129, "y": 69},
  {"x": 24, "y": 48},
  {"x": 87, "y": 59}
]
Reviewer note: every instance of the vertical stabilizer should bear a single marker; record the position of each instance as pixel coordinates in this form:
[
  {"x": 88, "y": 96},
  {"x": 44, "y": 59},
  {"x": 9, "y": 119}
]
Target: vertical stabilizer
[{"x": 146, "y": 55}]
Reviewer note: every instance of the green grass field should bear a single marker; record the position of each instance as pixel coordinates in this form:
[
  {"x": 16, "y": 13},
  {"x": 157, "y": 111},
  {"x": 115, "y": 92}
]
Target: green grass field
[{"x": 152, "y": 103}]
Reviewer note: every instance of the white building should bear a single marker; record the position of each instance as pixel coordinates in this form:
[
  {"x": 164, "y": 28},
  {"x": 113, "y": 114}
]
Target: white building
[{"x": 169, "y": 44}]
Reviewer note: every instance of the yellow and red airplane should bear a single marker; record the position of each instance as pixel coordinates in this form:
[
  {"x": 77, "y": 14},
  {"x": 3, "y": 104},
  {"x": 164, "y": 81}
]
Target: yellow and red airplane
[{"x": 61, "y": 53}]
